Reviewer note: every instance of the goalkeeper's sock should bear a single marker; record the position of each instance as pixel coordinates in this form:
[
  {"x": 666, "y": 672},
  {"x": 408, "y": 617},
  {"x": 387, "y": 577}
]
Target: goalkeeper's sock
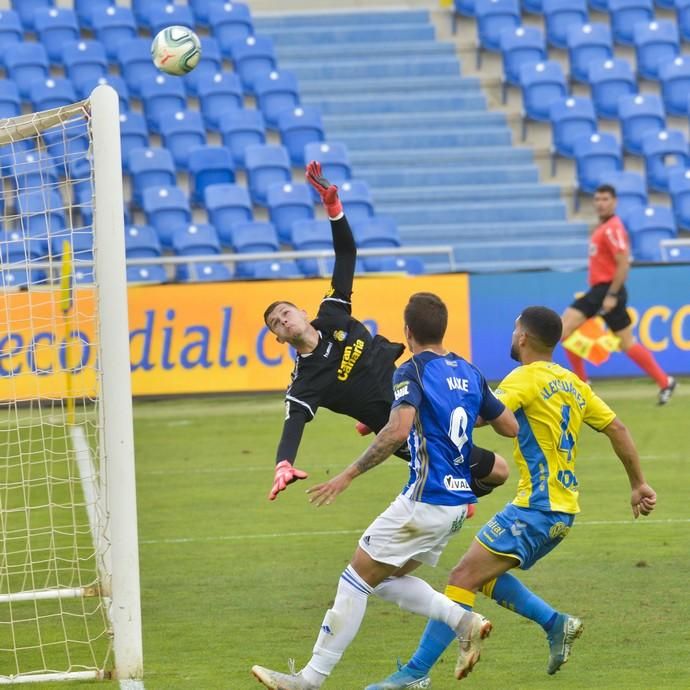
[
  {"x": 339, "y": 627},
  {"x": 577, "y": 364},
  {"x": 509, "y": 592}
]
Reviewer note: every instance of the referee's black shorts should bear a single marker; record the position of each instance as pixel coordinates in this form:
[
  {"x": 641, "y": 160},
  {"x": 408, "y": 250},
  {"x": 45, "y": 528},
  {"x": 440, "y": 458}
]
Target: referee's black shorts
[{"x": 590, "y": 305}]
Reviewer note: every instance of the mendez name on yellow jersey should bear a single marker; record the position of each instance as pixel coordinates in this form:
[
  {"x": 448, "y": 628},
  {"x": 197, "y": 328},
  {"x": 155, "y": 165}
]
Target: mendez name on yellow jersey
[{"x": 550, "y": 404}]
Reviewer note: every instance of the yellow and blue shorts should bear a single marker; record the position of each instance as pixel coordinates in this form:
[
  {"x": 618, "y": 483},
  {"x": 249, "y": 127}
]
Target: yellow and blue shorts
[{"x": 524, "y": 533}]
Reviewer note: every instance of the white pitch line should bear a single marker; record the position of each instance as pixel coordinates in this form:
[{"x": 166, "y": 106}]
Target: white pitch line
[
  {"x": 129, "y": 684},
  {"x": 339, "y": 532}
]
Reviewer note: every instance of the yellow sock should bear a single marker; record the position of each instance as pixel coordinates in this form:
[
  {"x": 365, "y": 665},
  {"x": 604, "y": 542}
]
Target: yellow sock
[{"x": 460, "y": 596}]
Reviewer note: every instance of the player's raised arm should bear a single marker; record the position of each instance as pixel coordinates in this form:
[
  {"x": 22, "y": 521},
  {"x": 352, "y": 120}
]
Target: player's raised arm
[{"x": 343, "y": 240}]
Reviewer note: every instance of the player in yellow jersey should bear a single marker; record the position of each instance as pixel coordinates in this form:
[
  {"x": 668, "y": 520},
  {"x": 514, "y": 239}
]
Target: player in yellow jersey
[{"x": 551, "y": 404}]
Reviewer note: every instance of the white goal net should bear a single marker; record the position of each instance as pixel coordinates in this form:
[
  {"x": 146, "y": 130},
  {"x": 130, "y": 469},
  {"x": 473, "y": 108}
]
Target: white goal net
[{"x": 69, "y": 578}]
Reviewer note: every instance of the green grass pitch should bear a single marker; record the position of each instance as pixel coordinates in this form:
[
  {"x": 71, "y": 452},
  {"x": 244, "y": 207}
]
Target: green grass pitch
[{"x": 230, "y": 579}]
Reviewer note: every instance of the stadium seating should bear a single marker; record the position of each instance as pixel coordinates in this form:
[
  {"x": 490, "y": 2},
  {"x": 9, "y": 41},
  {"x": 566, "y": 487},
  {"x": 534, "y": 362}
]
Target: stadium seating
[
  {"x": 493, "y": 16},
  {"x": 85, "y": 88},
  {"x": 355, "y": 196},
  {"x": 141, "y": 242},
  {"x": 227, "y": 205},
  {"x": 22, "y": 253},
  {"x": 411, "y": 265},
  {"x": 608, "y": 81},
  {"x": 69, "y": 143},
  {"x": 298, "y": 127},
  {"x": 219, "y": 94},
  {"x": 679, "y": 189},
  {"x": 275, "y": 92},
  {"x": 656, "y": 44},
  {"x": 240, "y": 129},
  {"x": 631, "y": 192},
  {"x": 141, "y": 8},
  {"x": 161, "y": 94},
  {"x": 26, "y": 64},
  {"x": 198, "y": 240},
  {"x": 27, "y": 8},
  {"x": 231, "y": 22},
  {"x": 253, "y": 238},
  {"x": 596, "y": 157},
  {"x": 310, "y": 235},
  {"x": 159, "y": 17},
  {"x": 675, "y": 250},
  {"x": 42, "y": 213},
  {"x": 663, "y": 151},
  {"x": 167, "y": 209},
  {"x": 10, "y": 100},
  {"x": 253, "y": 57},
  {"x": 674, "y": 80},
  {"x": 85, "y": 61},
  {"x": 266, "y": 165},
  {"x": 375, "y": 233},
  {"x": 542, "y": 83},
  {"x": 150, "y": 167},
  {"x": 113, "y": 26},
  {"x": 288, "y": 203},
  {"x": 181, "y": 132},
  {"x": 639, "y": 115},
  {"x": 210, "y": 64},
  {"x": 588, "y": 43},
  {"x": 272, "y": 270},
  {"x": 134, "y": 56},
  {"x": 647, "y": 229},
  {"x": 10, "y": 31},
  {"x": 560, "y": 16},
  {"x": 571, "y": 118},
  {"x": 624, "y": 14},
  {"x": 683, "y": 17},
  {"x": 209, "y": 165},
  {"x": 55, "y": 26},
  {"x": 150, "y": 273},
  {"x": 86, "y": 8},
  {"x": 133, "y": 134},
  {"x": 51, "y": 93},
  {"x": 334, "y": 159},
  {"x": 519, "y": 46},
  {"x": 201, "y": 10}
]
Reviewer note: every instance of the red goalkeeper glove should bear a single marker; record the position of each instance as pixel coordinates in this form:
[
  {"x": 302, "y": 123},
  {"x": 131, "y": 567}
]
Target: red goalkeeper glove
[
  {"x": 285, "y": 474},
  {"x": 327, "y": 191}
]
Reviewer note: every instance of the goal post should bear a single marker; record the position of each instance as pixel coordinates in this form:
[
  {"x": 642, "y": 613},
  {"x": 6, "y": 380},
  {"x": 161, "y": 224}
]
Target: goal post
[{"x": 69, "y": 562}]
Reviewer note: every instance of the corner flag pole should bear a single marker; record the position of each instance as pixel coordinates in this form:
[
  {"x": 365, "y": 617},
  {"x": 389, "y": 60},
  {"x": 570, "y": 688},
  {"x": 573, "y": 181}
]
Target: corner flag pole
[{"x": 66, "y": 304}]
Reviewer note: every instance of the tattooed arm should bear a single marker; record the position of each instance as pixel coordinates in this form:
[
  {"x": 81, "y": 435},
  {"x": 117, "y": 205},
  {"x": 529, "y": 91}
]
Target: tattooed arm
[{"x": 386, "y": 442}]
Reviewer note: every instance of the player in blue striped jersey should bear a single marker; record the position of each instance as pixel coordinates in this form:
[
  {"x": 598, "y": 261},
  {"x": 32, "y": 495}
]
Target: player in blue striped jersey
[{"x": 438, "y": 396}]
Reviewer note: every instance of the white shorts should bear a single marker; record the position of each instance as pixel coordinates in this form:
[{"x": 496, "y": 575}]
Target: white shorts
[{"x": 410, "y": 530}]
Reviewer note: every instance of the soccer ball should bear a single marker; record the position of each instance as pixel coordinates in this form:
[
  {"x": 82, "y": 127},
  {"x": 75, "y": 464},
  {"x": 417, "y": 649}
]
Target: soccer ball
[{"x": 176, "y": 50}]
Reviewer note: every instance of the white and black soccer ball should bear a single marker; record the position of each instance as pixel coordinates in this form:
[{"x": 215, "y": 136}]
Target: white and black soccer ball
[{"x": 176, "y": 50}]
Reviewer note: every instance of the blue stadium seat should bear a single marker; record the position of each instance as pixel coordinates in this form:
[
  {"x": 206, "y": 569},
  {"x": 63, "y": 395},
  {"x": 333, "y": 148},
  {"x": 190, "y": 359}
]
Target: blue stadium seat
[
  {"x": 136, "y": 64},
  {"x": 533, "y": 6},
  {"x": 133, "y": 134},
  {"x": 493, "y": 16},
  {"x": 609, "y": 80},
  {"x": 210, "y": 64},
  {"x": 410, "y": 265},
  {"x": 519, "y": 46},
  {"x": 465, "y": 8},
  {"x": 161, "y": 94},
  {"x": 32, "y": 169},
  {"x": 141, "y": 242},
  {"x": 571, "y": 118},
  {"x": 676, "y": 250},
  {"x": 205, "y": 272},
  {"x": 9, "y": 153},
  {"x": 266, "y": 165},
  {"x": 253, "y": 238},
  {"x": 86, "y": 8},
  {"x": 84, "y": 60},
  {"x": 149, "y": 274},
  {"x": 219, "y": 94},
  {"x": 52, "y": 93},
  {"x": 335, "y": 162},
  {"x": 231, "y": 22},
  {"x": 273, "y": 270},
  {"x": 113, "y": 26},
  {"x": 665, "y": 4},
  {"x": 309, "y": 235},
  {"x": 542, "y": 83},
  {"x": 674, "y": 81},
  {"x": 683, "y": 18},
  {"x": 647, "y": 228},
  {"x": 26, "y": 9},
  {"x": 26, "y": 64},
  {"x": 596, "y": 157},
  {"x": 560, "y": 16},
  {"x": 679, "y": 189},
  {"x": 356, "y": 198},
  {"x": 150, "y": 167},
  {"x": 656, "y": 44},
  {"x": 227, "y": 205},
  {"x": 167, "y": 209},
  {"x": 84, "y": 88},
  {"x": 663, "y": 151},
  {"x": 21, "y": 252},
  {"x": 209, "y": 165},
  {"x": 287, "y": 203},
  {"x": 376, "y": 232},
  {"x": 640, "y": 114},
  {"x": 181, "y": 132},
  {"x": 141, "y": 9},
  {"x": 10, "y": 31},
  {"x": 197, "y": 240},
  {"x": 624, "y": 14},
  {"x": 588, "y": 44},
  {"x": 253, "y": 57},
  {"x": 10, "y": 100},
  {"x": 69, "y": 142},
  {"x": 42, "y": 212},
  {"x": 298, "y": 127},
  {"x": 631, "y": 192},
  {"x": 160, "y": 17},
  {"x": 275, "y": 92},
  {"x": 242, "y": 128},
  {"x": 55, "y": 26},
  {"x": 201, "y": 9}
]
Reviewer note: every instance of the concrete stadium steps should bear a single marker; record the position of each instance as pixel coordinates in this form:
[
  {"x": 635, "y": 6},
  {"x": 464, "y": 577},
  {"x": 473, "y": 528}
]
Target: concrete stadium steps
[
  {"x": 442, "y": 138},
  {"x": 498, "y": 211},
  {"x": 385, "y": 103},
  {"x": 341, "y": 18},
  {"x": 481, "y": 156},
  {"x": 414, "y": 180},
  {"x": 473, "y": 193},
  {"x": 467, "y": 120},
  {"x": 300, "y": 36},
  {"x": 374, "y": 66},
  {"x": 330, "y": 52},
  {"x": 395, "y": 85},
  {"x": 456, "y": 232},
  {"x": 519, "y": 250}
]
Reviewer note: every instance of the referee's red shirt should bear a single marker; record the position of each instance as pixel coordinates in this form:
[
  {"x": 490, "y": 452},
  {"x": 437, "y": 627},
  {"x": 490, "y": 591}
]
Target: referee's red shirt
[{"x": 607, "y": 240}]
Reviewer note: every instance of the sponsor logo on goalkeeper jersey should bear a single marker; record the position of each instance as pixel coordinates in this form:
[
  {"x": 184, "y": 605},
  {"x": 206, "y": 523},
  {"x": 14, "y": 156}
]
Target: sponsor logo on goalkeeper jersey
[
  {"x": 340, "y": 335},
  {"x": 455, "y": 483},
  {"x": 350, "y": 356}
]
